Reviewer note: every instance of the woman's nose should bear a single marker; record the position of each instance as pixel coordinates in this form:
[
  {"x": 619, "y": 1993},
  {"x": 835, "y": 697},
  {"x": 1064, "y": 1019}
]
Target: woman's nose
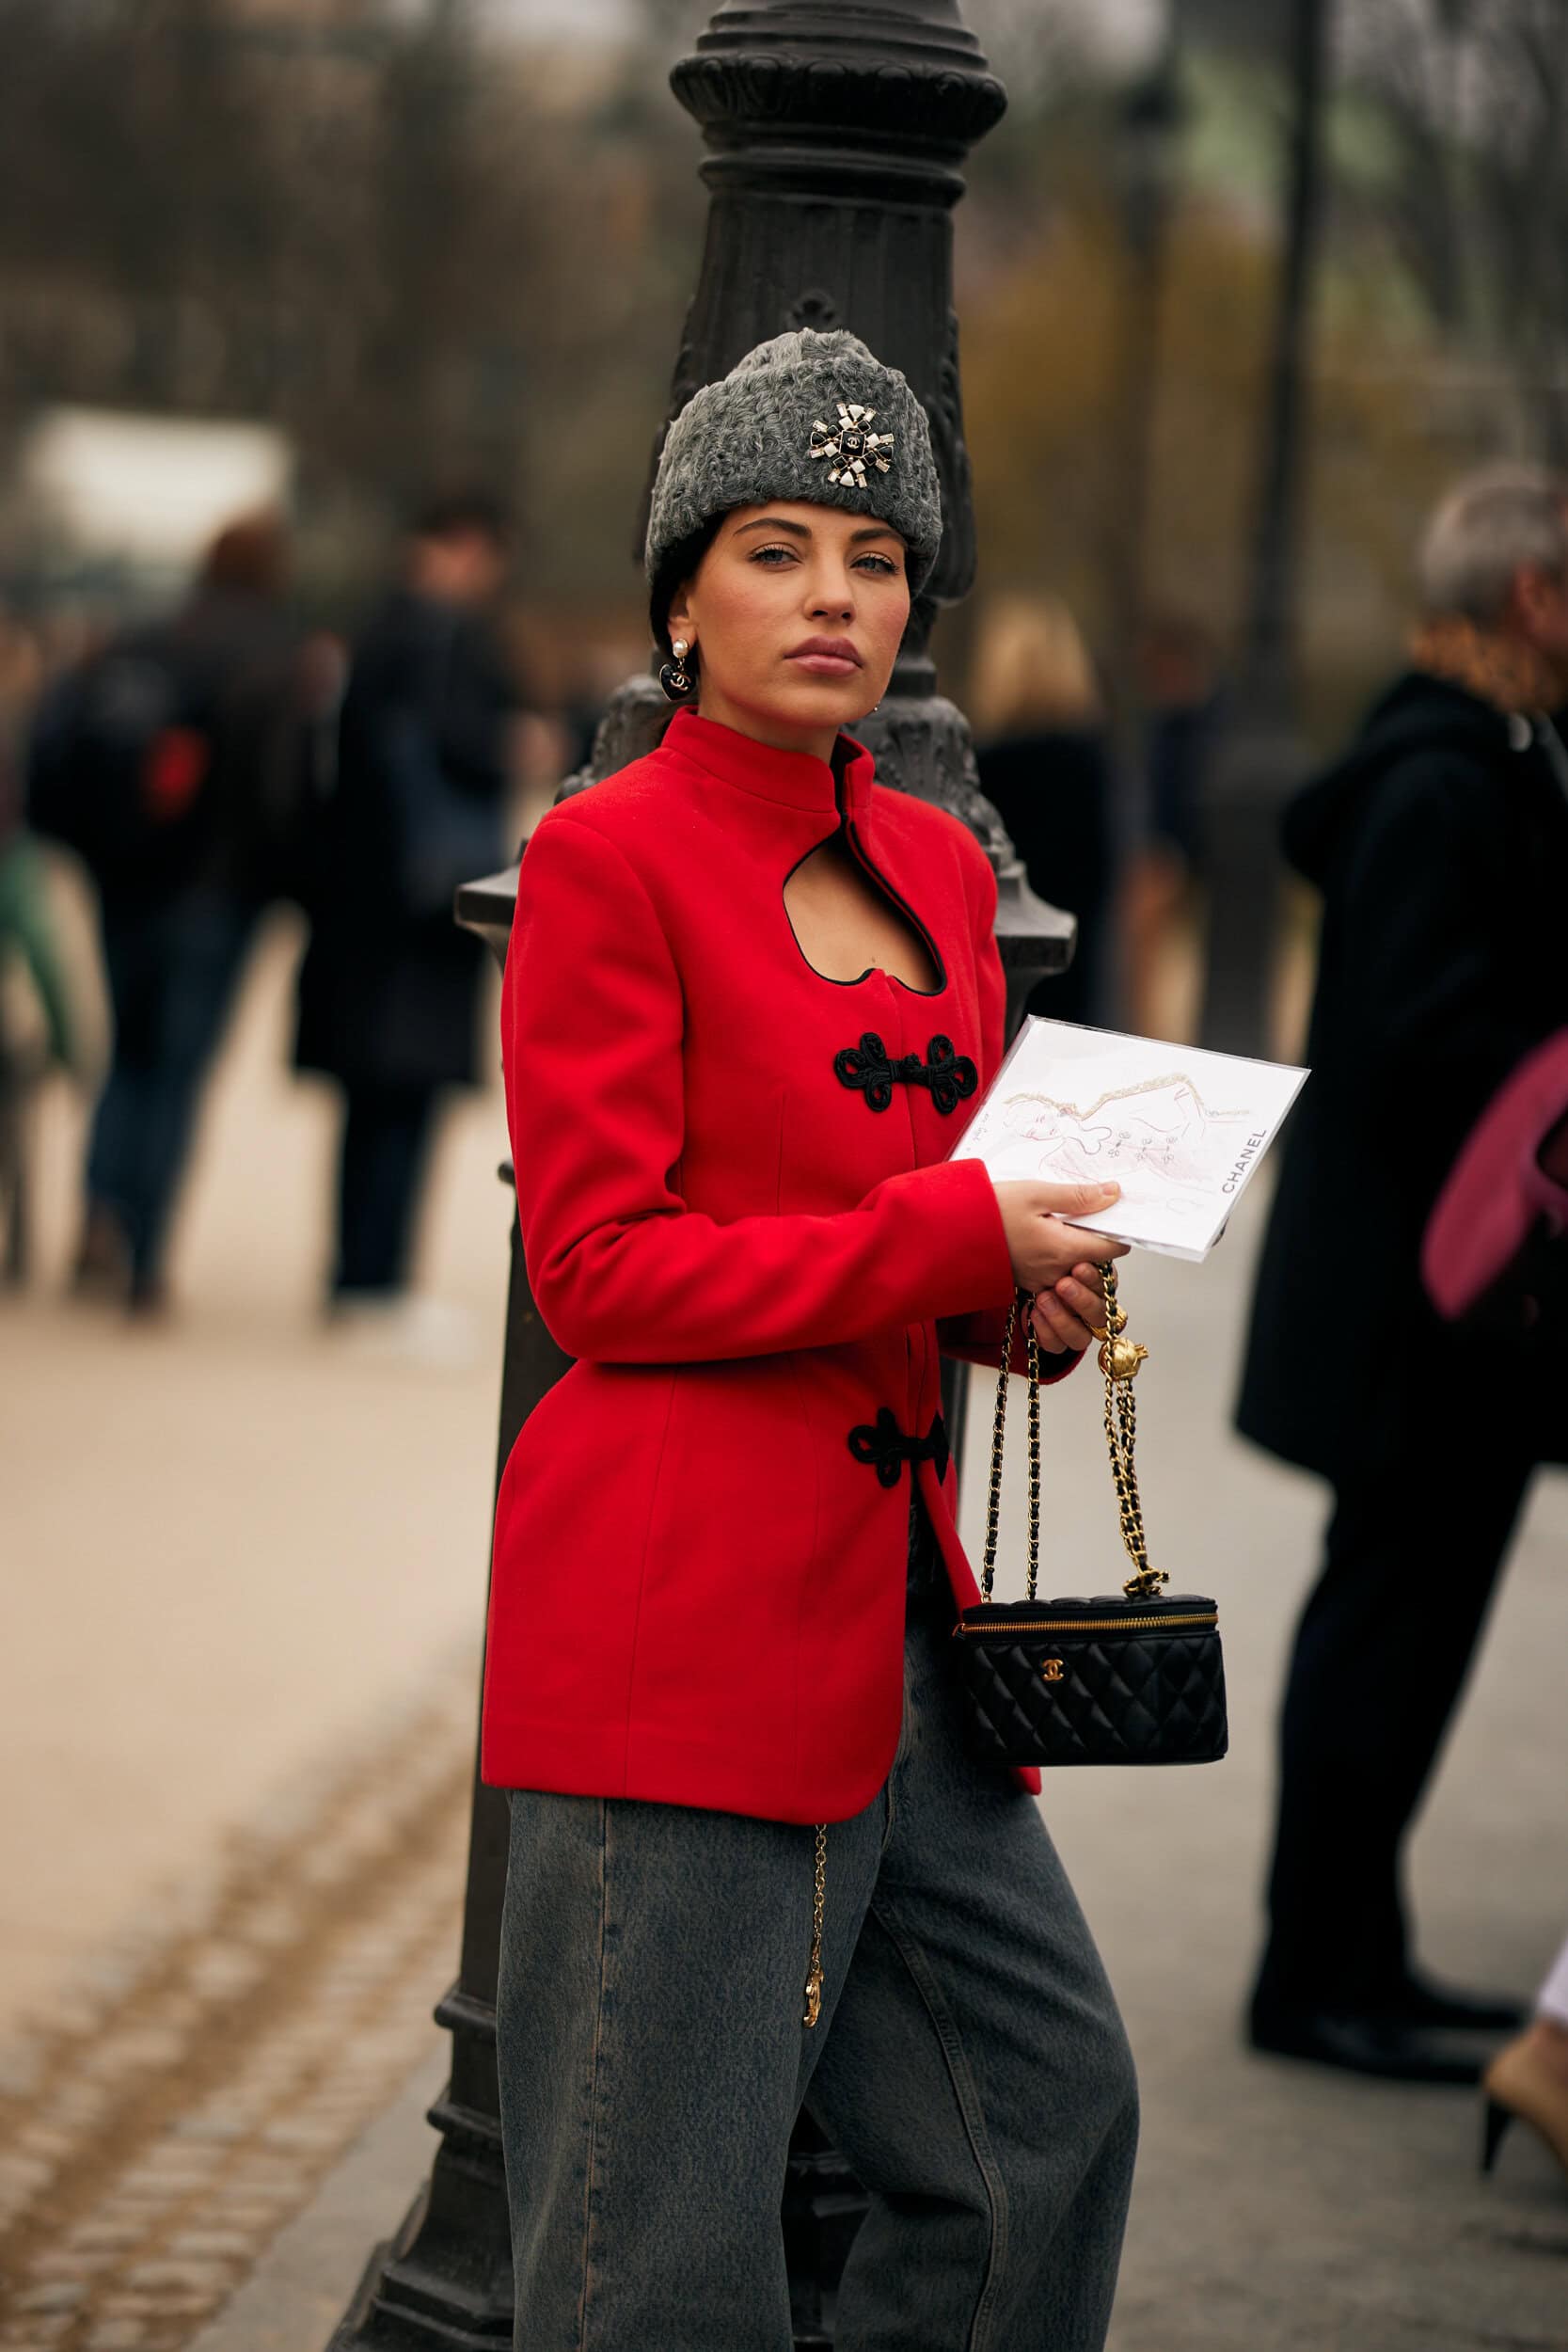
[{"x": 835, "y": 597}]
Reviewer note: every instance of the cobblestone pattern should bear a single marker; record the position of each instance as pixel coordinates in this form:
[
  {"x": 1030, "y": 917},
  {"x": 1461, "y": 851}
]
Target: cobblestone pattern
[{"x": 184, "y": 2096}]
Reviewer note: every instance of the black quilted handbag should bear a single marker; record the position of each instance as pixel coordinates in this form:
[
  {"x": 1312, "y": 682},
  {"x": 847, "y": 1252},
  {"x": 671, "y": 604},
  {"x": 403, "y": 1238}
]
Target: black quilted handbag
[{"x": 1128, "y": 1677}]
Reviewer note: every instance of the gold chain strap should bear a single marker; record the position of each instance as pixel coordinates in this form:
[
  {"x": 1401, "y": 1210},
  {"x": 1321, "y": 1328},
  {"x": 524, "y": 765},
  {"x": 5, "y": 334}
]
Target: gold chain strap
[
  {"x": 1119, "y": 1360},
  {"x": 819, "y": 1899},
  {"x": 999, "y": 1431}
]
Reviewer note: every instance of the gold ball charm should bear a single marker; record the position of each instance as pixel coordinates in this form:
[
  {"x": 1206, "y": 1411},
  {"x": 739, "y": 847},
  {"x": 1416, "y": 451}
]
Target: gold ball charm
[{"x": 1119, "y": 1359}]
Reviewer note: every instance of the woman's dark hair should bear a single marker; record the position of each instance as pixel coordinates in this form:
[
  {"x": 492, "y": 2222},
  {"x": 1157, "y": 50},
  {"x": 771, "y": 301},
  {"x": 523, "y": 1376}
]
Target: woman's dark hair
[{"x": 677, "y": 566}]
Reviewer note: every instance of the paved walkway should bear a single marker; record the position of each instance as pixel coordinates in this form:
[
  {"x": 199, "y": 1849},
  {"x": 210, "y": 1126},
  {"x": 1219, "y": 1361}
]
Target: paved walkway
[
  {"x": 1277, "y": 2210},
  {"x": 239, "y": 1557},
  {"x": 231, "y": 1546}
]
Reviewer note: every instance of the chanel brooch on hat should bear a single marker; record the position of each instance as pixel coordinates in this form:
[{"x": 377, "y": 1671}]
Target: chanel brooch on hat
[{"x": 807, "y": 416}]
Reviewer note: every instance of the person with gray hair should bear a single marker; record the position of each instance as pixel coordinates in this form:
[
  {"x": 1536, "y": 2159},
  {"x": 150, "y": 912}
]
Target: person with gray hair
[
  {"x": 1496, "y": 522},
  {"x": 1439, "y": 843}
]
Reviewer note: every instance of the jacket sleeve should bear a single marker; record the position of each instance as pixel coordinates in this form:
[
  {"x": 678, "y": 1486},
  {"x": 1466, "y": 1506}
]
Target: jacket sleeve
[
  {"x": 975, "y": 1338},
  {"x": 622, "y": 1270}
]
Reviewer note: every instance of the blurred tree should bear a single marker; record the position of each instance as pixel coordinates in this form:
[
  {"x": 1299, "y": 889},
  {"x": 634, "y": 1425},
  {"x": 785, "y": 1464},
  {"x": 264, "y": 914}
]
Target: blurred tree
[
  {"x": 430, "y": 248},
  {"x": 1475, "y": 184},
  {"x": 413, "y": 251}
]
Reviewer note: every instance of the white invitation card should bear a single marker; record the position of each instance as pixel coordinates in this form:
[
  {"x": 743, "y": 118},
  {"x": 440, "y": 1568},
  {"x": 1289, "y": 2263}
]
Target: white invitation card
[{"x": 1181, "y": 1131}]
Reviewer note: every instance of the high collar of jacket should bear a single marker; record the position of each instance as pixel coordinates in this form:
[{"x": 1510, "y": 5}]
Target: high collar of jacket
[{"x": 792, "y": 779}]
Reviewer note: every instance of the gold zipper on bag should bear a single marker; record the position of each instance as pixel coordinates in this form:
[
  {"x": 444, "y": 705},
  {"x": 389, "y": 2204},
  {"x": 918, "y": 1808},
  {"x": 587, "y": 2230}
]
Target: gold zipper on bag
[{"x": 1081, "y": 1625}]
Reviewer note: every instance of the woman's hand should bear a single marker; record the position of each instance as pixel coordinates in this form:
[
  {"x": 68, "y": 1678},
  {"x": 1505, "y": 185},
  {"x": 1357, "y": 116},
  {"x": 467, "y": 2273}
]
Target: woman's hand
[
  {"x": 1057, "y": 1261},
  {"x": 1067, "y": 1317}
]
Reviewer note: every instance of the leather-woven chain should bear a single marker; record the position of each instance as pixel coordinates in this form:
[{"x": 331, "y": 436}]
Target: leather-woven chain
[
  {"x": 999, "y": 1430},
  {"x": 1119, "y": 1360}
]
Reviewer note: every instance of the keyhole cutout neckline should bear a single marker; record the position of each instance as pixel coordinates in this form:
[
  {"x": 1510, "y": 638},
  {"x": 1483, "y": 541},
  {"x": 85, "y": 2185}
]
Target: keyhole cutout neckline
[
  {"x": 839, "y": 787},
  {"x": 863, "y": 885}
]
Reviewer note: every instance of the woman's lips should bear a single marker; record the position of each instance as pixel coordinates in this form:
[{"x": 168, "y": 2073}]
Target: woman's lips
[
  {"x": 824, "y": 664},
  {"x": 824, "y": 658}
]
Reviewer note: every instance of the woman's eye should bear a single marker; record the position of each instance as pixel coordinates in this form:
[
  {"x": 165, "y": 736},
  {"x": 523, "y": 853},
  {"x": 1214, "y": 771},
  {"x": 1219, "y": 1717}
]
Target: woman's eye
[
  {"x": 767, "y": 555},
  {"x": 879, "y": 563}
]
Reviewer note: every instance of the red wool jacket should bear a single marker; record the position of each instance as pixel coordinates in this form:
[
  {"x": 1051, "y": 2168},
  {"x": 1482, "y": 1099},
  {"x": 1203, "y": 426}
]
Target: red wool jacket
[{"x": 740, "y": 1216}]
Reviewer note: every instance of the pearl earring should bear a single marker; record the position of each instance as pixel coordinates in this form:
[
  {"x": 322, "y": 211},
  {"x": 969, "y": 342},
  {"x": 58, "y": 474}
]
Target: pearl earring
[{"x": 676, "y": 677}]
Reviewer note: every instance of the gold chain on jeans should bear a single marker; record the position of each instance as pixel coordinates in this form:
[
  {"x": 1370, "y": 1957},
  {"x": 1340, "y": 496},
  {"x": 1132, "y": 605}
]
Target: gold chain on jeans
[{"x": 819, "y": 1891}]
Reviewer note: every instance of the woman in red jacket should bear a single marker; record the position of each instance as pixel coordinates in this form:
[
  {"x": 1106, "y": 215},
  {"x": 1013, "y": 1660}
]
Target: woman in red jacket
[{"x": 752, "y": 1864}]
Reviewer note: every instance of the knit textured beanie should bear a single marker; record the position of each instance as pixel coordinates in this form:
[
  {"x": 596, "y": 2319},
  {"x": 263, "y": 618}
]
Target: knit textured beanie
[{"x": 807, "y": 416}]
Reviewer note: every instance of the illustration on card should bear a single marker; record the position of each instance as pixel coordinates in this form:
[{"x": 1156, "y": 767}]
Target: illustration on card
[
  {"x": 1158, "y": 1139},
  {"x": 1180, "y": 1130}
]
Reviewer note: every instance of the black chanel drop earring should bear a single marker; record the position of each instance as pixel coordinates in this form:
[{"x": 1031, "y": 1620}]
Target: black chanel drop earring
[{"x": 679, "y": 678}]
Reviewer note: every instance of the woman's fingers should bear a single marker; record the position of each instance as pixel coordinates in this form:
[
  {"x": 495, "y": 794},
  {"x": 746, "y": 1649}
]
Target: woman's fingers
[
  {"x": 1045, "y": 1330},
  {"x": 1074, "y": 1199},
  {"x": 1086, "y": 1300},
  {"x": 1058, "y": 1330},
  {"x": 1100, "y": 1247}
]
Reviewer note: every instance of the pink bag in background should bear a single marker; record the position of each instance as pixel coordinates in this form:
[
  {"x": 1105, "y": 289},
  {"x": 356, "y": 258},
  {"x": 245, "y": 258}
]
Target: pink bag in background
[{"x": 1505, "y": 1203}]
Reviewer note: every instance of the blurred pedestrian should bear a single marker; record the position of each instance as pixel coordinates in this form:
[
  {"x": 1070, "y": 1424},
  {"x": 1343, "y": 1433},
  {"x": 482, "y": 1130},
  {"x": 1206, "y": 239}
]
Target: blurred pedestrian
[
  {"x": 388, "y": 990},
  {"x": 1495, "y": 1258},
  {"x": 169, "y": 761},
  {"x": 27, "y": 938},
  {"x": 26, "y": 924},
  {"x": 1178, "y": 696},
  {"x": 1440, "y": 845},
  {"x": 1045, "y": 766}
]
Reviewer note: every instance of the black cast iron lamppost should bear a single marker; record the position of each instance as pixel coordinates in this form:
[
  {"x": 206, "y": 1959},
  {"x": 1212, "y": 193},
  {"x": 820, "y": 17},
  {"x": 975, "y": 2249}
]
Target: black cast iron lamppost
[{"x": 836, "y": 136}]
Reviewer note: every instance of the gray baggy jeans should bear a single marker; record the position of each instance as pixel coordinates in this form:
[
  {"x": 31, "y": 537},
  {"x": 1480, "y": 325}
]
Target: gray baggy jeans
[{"x": 969, "y": 2063}]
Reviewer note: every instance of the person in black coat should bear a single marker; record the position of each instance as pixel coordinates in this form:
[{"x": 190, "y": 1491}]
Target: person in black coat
[
  {"x": 1440, "y": 845},
  {"x": 389, "y": 986}
]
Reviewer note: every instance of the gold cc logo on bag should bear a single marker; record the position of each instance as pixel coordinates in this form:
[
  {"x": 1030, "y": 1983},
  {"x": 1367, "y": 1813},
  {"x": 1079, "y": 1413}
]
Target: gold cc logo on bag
[{"x": 1053, "y": 1670}]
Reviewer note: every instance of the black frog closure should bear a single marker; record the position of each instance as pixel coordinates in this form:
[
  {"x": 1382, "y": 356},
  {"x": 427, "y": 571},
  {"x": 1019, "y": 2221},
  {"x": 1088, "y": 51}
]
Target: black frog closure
[
  {"x": 950, "y": 1079},
  {"x": 883, "y": 1447}
]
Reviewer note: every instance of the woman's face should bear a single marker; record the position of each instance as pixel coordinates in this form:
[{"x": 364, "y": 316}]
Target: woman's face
[{"x": 795, "y": 614}]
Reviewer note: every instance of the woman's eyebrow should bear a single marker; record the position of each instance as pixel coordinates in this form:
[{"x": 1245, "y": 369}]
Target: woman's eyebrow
[{"x": 803, "y": 531}]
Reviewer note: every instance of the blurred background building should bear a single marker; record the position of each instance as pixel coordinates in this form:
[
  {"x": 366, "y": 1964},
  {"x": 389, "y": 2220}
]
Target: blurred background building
[
  {"x": 334, "y": 254},
  {"x": 345, "y": 224}
]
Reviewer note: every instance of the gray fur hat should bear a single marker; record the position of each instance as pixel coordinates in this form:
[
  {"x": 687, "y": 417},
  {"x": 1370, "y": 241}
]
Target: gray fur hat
[{"x": 807, "y": 416}]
